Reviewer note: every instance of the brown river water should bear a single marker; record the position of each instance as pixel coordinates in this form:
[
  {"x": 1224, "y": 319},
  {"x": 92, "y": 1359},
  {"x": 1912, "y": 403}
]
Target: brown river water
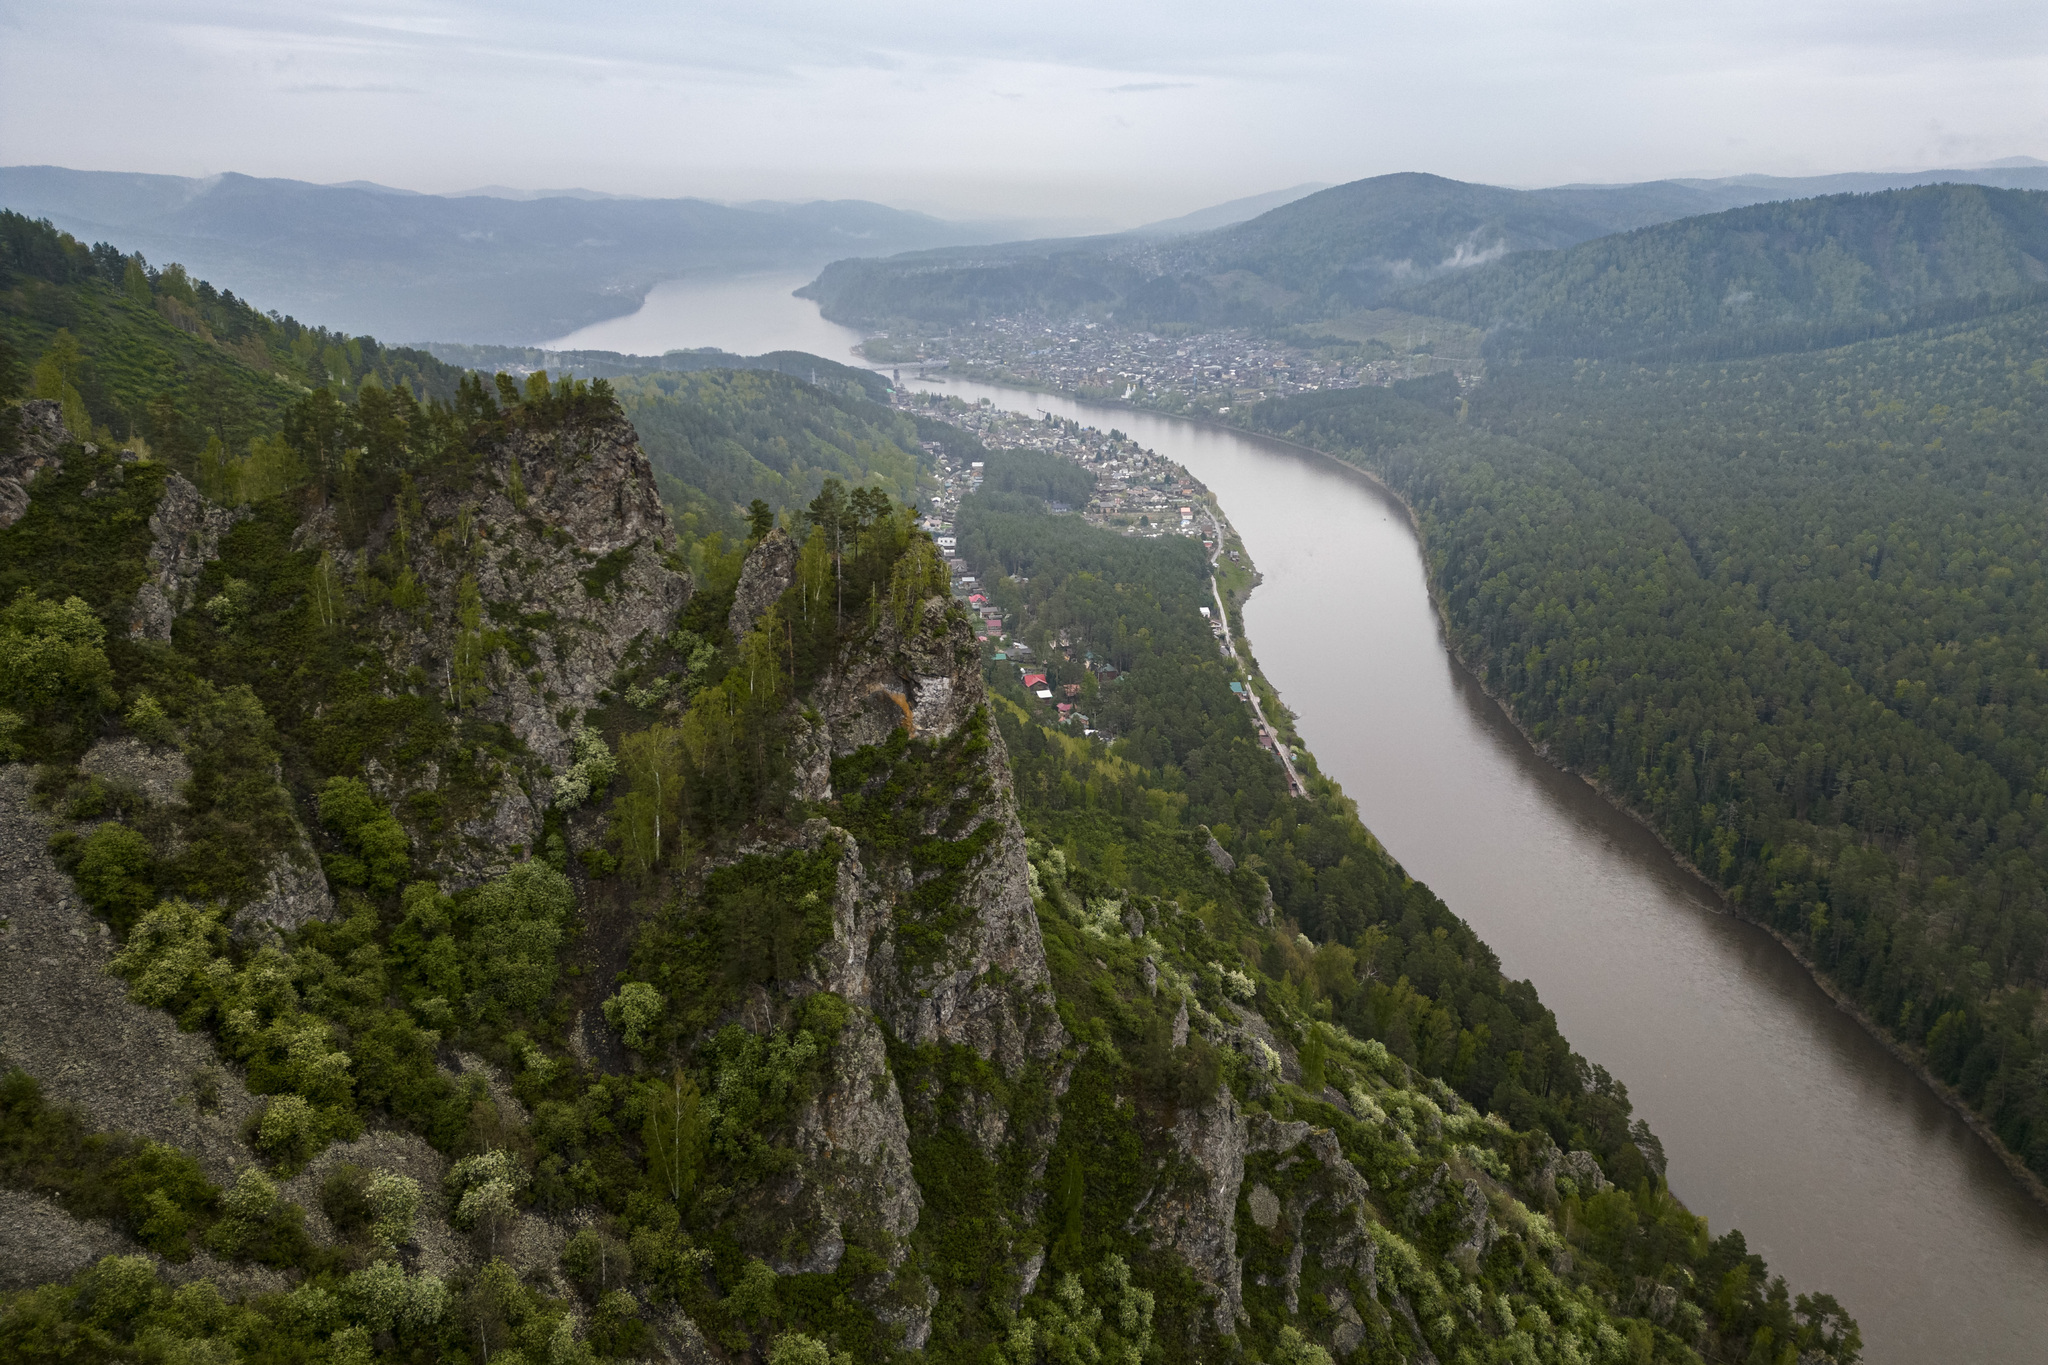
[{"x": 1779, "y": 1114}]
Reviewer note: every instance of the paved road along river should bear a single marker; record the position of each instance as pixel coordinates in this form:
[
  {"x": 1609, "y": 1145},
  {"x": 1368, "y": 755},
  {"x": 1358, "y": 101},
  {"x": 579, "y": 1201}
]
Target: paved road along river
[{"x": 1780, "y": 1116}]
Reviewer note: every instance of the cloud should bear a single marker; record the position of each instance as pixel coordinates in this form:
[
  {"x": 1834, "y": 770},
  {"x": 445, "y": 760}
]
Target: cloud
[
  {"x": 998, "y": 109},
  {"x": 373, "y": 88}
]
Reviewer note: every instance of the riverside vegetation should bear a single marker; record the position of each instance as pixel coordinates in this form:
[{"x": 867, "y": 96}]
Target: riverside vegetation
[
  {"x": 453, "y": 916},
  {"x": 1742, "y": 522},
  {"x": 1789, "y": 608}
]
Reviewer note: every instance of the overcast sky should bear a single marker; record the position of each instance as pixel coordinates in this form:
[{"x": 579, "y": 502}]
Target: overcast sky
[{"x": 1121, "y": 112}]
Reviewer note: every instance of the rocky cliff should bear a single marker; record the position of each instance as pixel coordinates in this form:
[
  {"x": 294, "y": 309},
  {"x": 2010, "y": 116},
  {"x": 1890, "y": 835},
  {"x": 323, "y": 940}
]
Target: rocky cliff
[{"x": 452, "y": 908}]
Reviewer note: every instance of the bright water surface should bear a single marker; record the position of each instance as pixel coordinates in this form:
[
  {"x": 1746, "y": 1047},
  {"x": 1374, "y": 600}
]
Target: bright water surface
[
  {"x": 744, "y": 314},
  {"x": 1780, "y": 1116}
]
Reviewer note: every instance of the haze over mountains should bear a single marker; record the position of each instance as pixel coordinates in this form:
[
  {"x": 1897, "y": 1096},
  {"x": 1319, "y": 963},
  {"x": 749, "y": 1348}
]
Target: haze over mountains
[
  {"x": 506, "y": 266},
  {"x": 472, "y": 267},
  {"x": 1368, "y": 244}
]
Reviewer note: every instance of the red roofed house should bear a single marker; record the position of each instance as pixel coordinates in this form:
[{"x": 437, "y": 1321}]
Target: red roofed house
[{"x": 1034, "y": 679}]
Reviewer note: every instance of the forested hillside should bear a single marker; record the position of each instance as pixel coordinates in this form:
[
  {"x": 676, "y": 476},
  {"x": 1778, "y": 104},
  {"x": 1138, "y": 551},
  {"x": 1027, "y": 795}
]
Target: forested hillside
[
  {"x": 1329, "y": 252},
  {"x": 721, "y": 439},
  {"x": 1770, "y": 277},
  {"x": 451, "y": 916},
  {"x": 482, "y": 267},
  {"x": 134, "y": 352},
  {"x": 1573, "y": 270},
  {"x": 1792, "y": 610},
  {"x": 1361, "y": 946}
]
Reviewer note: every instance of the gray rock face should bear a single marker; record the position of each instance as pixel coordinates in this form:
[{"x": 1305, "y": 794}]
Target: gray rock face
[
  {"x": 36, "y": 452},
  {"x": 159, "y": 774},
  {"x": 990, "y": 990},
  {"x": 856, "y": 1150},
  {"x": 592, "y": 492},
  {"x": 1195, "y": 1214},
  {"x": 40, "y": 1243},
  {"x": 185, "y": 532},
  {"x": 1583, "y": 1167},
  {"x": 767, "y": 574},
  {"x": 295, "y": 891},
  {"x": 582, "y": 563},
  {"x": 71, "y": 1025},
  {"x": 1218, "y": 854}
]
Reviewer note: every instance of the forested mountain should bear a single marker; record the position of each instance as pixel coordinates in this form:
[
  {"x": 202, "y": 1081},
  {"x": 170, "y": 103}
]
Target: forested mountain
[
  {"x": 1337, "y": 249},
  {"x": 472, "y": 268},
  {"x": 1776, "y": 273},
  {"x": 720, "y": 440},
  {"x": 850, "y": 380},
  {"x": 451, "y": 916},
  {"x": 139, "y": 353},
  {"x": 1792, "y": 610},
  {"x": 1393, "y": 240}
]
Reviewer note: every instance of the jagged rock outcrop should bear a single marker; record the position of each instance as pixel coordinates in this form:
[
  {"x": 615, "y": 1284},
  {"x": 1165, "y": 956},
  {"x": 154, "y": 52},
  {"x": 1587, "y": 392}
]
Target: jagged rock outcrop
[
  {"x": 568, "y": 544},
  {"x": 1322, "y": 1207},
  {"x": 185, "y": 531},
  {"x": 769, "y": 570},
  {"x": 1195, "y": 1215},
  {"x": 295, "y": 891},
  {"x": 1218, "y": 854},
  {"x": 36, "y": 450},
  {"x": 856, "y": 1150},
  {"x": 986, "y": 987},
  {"x": 595, "y": 564},
  {"x": 990, "y": 989}
]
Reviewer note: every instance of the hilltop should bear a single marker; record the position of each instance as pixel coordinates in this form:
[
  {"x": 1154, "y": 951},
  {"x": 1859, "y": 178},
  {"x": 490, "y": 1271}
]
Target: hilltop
[{"x": 1384, "y": 241}]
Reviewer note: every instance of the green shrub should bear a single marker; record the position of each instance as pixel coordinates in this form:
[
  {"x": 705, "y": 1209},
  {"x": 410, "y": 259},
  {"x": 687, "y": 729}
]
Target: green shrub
[
  {"x": 52, "y": 663},
  {"x": 516, "y": 927},
  {"x": 634, "y": 1011},
  {"x": 116, "y": 874},
  {"x": 380, "y": 854}
]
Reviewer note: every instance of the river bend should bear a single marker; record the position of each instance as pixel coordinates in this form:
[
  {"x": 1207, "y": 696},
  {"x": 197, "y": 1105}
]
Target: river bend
[{"x": 1780, "y": 1116}]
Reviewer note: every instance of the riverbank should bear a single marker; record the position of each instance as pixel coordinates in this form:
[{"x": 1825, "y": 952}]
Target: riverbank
[{"x": 1912, "y": 1058}]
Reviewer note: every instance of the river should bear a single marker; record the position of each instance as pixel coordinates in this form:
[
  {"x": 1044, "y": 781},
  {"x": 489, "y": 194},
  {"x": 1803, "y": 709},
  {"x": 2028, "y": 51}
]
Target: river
[{"x": 1780, "y": 1116}]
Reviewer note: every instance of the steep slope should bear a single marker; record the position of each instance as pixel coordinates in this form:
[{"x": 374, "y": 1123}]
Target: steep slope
[{"x": 1428, "y": 244}]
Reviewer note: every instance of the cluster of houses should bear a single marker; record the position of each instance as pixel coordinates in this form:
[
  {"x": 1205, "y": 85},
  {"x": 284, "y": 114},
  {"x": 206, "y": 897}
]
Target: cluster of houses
[{"x": 1209, "y": 372}]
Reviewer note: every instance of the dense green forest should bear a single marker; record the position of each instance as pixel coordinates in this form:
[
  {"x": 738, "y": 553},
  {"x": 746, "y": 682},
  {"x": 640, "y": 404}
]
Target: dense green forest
[
  {"x": 849, "y": 380},
  {"x": 137, "y": 353},
  {"x": 576, "y": 1063},
  {"x": 1769, "y": 277},
  {"x": 721, "y": 439},
  {"x": 1360, "y": 944},
  {"x": 1792, "y": 609}
]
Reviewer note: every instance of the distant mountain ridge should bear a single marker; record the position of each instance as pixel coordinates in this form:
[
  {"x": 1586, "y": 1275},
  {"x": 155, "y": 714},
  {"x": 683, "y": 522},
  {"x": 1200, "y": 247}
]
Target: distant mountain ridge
[
  {"x": 1353, "y": 246},
  {"x": 478, "y": 267}
]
